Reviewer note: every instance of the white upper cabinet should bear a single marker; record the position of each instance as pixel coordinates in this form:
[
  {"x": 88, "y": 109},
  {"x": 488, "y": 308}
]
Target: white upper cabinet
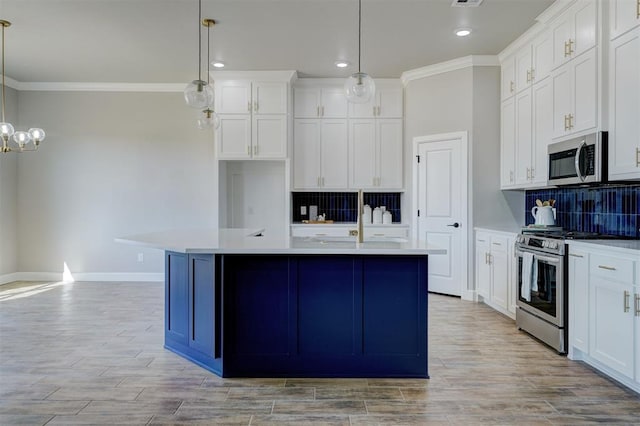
[
  {"x": 523, "y": 137},
  {"x": 312, "y": 102},
  {"x": 574, "y": 32},
  {"x": 534, "y": 61},
  {"x": 508, "y": 78},
  {"x": 542, "y": 126},
  {"x": 575, "y": 96},
  {"x": 375, "y": 154},
  {"x": 624, "y": 107},
  {"x": 320, "y": 154},
  {"x": 253, "y": 119},
  {"x": 508, "y": 144},
  {"x": 386, "y": 103},
  {"x": 624, "y": 15}
]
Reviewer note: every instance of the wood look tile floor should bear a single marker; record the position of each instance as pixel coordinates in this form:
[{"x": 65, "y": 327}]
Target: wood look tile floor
[{"x": 91, "y": 353}]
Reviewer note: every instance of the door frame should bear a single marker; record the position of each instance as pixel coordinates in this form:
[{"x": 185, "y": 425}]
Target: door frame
[{"x": 463, "y": 136}]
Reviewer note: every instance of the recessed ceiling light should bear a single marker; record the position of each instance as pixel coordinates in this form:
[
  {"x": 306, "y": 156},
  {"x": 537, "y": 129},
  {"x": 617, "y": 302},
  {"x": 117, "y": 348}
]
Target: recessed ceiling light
[
  {"x": 217, "y": 64},
  {"x": 342, "y": 64},
  {"x": 463, "y": 32}
]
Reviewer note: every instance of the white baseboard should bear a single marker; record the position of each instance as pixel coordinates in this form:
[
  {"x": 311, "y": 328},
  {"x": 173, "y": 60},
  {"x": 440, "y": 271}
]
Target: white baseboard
[
  {"x": 470, "y": 295},
  {"x": 83, "y": 276}
]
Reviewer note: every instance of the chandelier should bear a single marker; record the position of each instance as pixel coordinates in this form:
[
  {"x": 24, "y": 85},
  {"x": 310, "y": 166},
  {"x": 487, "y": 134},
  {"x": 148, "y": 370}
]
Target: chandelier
[
  {"x": 21, "y": 141},
  {"x": 359, "y": 87},
  {"x": 208, "y": 117}
]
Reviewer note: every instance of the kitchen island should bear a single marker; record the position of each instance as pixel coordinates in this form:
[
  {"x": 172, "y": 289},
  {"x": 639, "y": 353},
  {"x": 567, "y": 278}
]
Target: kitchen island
[{"x": 245, "y": 305}]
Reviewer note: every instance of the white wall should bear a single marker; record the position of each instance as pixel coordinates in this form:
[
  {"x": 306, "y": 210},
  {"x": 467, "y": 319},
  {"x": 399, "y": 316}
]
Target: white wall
[
  {"x": 113, "y": 164},
  {"x": 9, "y": 198}
]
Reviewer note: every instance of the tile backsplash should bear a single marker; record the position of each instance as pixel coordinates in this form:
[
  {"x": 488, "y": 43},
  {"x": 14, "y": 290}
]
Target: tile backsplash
[
  {"x": 342, "y": 206},
  {"x": 611, "y": 210}
]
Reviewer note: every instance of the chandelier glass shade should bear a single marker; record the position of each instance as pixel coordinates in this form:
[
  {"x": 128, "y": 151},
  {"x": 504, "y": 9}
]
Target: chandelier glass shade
[
  {"x": 359, "y": 87},
  {"x": 12, "y": 140},
  {"x": 208, "y": 118}
]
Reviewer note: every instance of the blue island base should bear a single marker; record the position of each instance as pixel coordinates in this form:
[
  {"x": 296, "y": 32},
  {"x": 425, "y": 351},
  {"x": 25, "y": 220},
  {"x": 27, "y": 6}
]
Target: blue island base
[{"x": 299, "y": 315}]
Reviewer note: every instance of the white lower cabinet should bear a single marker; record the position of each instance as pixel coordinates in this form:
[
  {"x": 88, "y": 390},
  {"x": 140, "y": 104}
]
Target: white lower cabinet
[
  {"x": 495, "y": 263},
  {"x": 604, "y": 310},
  {"x": 373, "y": 232}
]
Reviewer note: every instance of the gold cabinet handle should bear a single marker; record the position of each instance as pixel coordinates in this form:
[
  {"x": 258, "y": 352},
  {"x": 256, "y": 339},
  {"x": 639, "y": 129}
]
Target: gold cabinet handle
[
  {"x": 511, "y": 84},
  {"x": 638, "y": 10},
  {"x": 566, "y": 49},
  {"x": 486, "y": 258},
  {"x": 322, "y": 110},
  {"x": 255, "y": 150},
  {"x": 528, "y": 173},
  {"x": 255, "y": 106},
  {"x": 570, "y": 117},
  {"x": 511, "y": 176},
  {"x": 626, "y": 301},
  {"x": 248, "y": 150},
  {"x": 318, "y": 111},
  {"x": 533, "y": 74},
  {"x": 249, "y": 106},
  {"x": 571, "y": 43},
  {"x": 533, "y": 175},
  {"x": 576, "y": 255},
  {"x": 497, "y": 244},
  {"x": 322, "y": 181},
  {"x": 528, "y": 76},
  {"x": 637, "y": 298},
  {"x": 638, "y": 149},
  {"x": 608, "y": 268},
  {"x": 566, "y": 121},
  {"x": 318, "y": 180}
]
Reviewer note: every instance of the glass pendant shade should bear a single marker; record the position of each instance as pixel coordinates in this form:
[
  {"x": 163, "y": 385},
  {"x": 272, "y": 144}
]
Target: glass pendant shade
[
  {"x": 208, "y": 119},
  {"x": 199, "y": 94},
  {"x": 6, "y": 130},
  {"x": 359, "y": 88}
]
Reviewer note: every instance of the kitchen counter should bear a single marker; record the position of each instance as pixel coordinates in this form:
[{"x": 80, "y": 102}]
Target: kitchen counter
[
  {"x": 625, "y": 246},
  {"x": 244, "y": 305},
  {"x": 246, "y": 241}
]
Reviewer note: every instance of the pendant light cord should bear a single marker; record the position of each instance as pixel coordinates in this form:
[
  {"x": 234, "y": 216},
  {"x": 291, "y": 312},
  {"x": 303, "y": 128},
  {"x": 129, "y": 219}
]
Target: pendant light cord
[
  {"x": 4, "y": 89},
  {"x": 359, "y": 31},
  {"x": 208, "y": 53},
  {"x": 200, "y": 40}
]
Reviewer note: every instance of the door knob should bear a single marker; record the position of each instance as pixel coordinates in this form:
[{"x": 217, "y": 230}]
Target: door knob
[{"x": 455, "y": 225}]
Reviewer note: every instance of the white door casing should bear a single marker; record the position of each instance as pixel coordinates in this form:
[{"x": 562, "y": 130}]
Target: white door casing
[{"x": 440, "y": 195}]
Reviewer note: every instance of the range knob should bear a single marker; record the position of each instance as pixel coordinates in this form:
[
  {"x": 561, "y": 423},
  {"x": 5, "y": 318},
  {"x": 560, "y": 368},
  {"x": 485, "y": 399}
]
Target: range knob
[
  {"x": 553, "y": 244},
  {"x": 545, "y": 244}
]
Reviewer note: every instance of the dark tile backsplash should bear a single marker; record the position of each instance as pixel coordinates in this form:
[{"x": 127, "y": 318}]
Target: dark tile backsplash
[
  {"x": 611, "y": 210},
  {"x": 342, "y": 206}
]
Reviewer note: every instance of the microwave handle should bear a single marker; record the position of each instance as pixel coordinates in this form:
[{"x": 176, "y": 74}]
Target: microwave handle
[{"x": 583, "y": 143}]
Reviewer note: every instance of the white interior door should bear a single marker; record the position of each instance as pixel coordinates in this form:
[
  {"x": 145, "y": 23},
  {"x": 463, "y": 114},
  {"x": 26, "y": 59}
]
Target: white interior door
[{"x": 442, "y": 204}]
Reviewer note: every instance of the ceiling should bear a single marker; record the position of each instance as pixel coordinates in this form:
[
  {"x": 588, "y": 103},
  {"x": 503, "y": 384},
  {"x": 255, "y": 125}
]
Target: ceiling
[{"x": 155, "y": 41}]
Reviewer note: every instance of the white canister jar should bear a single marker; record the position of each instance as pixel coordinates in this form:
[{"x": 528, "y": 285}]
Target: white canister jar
[
  {"x": 387, "y": 218},
  {"x": 377, "y": 216}
]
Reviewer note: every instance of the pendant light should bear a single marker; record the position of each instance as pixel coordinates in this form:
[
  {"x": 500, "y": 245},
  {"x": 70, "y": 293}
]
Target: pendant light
[
  {"x": 359, "y": 87},
  {"x": 208, "y": 118},
  {"x": 23, "y": 140},
  {"x": 198, "y": 93}
]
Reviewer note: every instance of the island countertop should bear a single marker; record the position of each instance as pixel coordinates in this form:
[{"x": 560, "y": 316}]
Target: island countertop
[{"x": 253, "y": 241}]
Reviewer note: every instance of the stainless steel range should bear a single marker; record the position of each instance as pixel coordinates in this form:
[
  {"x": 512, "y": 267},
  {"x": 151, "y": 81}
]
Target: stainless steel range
[{"x": 543, "y": 288}]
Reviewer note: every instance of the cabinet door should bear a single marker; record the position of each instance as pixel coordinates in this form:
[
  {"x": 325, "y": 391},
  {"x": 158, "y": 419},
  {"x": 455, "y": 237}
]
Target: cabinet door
[
  {"x": 523, "y": 137},
  {"x": 513, "y": 278},
  {"x": 202, "y": 302},
  {"x": 306, "y": 154},
  {"x": 584, "y": 26},
  {"x": 483, "y": 269},
  {"x": 523, "y": 68},
  {"x": 624, "y": 125},
  {"x": 499, "y": 272},
  {"x": 562, "y": 32},
  {"x": 508, "y": 144},
  {"x": 269, "y": 136},
  {"x": 334, "y": 154},
  {"x": 637, "y": 323},
  {"x": 390, "y": 102},
  {"x": 561, "y": 80},
  {"x": 233, "y": 137},
  {"x": 306, "y": 102},
  {"x": 269, "y": 97},
  {"x": 579, "y": 300},
  {"x": 233, "y": 97},
  {"x": 362, "y": 153},
  {"x": 333, "y": 103},
  {"x": 610, "y": 327},
  {"x": 542, "y": 57},
  {"x": 585, "y": 92},
  {"x": 508, "y": 78},
  {"x": 624, "y": 15},
  {"x": 389, "y": 135},
  {"x": 542, "y": 124},
  {"x": 176, "y": 319},
  {"x": 364, "y": 110}
]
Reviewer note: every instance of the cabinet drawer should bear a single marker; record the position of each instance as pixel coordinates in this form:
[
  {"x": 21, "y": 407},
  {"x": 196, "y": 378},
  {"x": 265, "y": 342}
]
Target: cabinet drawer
[
  {"x": 321, "y": 231},
  {"x": 499, "y": 244},
  {"x": 386, "y": 232},
  {"x": 612, "y": 268}
]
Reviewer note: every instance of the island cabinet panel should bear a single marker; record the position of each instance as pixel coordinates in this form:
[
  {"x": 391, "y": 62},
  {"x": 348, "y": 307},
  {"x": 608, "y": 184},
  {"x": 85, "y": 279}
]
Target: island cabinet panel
[
  {"x": 202, "y": 303},
  {"x": 176, "y": 320},
  {"x": 386, "y": 313},
  {"x": 324, "y": 316}
]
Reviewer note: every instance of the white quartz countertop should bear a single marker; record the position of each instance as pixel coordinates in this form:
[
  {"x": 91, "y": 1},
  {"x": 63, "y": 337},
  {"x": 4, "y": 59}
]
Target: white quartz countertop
[
  {"x": 245, "y": 241},
  {"x": 630, "y": 246}
]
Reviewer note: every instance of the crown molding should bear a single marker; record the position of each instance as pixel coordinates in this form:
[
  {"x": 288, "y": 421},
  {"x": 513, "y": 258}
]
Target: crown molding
[
  {"x": 448, "y": 66},
  {"x": 288, "y": 75},
  {"x": 99, "y": 87}
]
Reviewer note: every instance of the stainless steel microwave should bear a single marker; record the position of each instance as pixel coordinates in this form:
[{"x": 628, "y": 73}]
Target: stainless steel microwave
[{"x": 578, "y": 161}]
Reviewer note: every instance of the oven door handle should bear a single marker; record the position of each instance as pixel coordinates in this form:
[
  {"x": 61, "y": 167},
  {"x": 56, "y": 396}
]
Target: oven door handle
[
  {"x": 538, "y": 256},
  {"x": 583, "y": 143}
]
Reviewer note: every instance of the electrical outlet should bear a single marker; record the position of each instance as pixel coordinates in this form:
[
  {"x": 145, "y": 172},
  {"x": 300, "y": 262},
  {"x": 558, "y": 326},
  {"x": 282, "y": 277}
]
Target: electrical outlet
[
  {"x": 140, "y": 257},
  {"x": 303, "y": 210}
]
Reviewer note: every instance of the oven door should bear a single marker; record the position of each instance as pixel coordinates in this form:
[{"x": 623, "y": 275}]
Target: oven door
[{"x": 546, "y": 298}]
